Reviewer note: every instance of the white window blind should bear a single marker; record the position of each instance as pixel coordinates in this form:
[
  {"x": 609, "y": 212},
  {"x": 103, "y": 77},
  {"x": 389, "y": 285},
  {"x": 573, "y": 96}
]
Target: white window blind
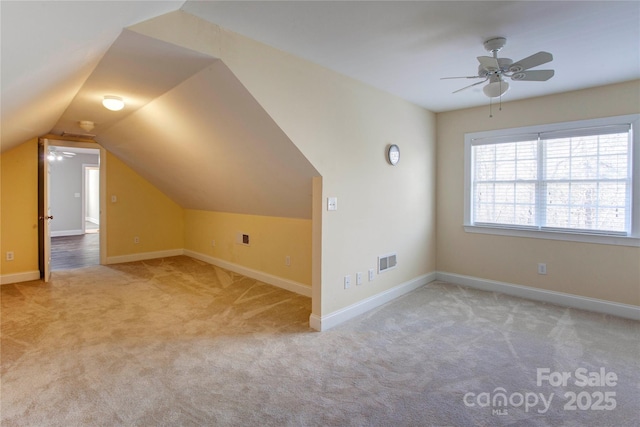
[{"x": 569, "y": 180}]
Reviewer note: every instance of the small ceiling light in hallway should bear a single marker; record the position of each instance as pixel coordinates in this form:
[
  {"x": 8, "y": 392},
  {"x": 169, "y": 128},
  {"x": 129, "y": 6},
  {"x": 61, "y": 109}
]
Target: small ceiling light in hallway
[{"x": 86, "y": 125}]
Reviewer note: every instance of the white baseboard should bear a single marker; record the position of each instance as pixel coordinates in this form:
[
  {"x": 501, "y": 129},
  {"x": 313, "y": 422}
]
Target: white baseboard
[
  {"x": 92, "y": 220},
  {"x": 66, "y": 233},
  {"x": 26, "y": 276},
  {"x": 584, "y": 303},
  {"x": 287, "y": 284},
  {"x": 144, "y": 256},
  {"x": 323, "y": 323}
]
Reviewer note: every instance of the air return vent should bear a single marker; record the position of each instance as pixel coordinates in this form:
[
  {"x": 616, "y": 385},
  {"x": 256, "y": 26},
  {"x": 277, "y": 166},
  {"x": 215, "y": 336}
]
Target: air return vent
[
  {"x": 387, "y": 262},
  {"x": 88, "y": 136}
]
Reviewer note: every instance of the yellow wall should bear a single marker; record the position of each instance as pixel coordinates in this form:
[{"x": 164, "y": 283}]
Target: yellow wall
[
  {"x": 19, "y": 206},
  {"x": 271, "y": 240},
  {"x": 592, "y": 270},
  {"x": 140, "y": 210}
]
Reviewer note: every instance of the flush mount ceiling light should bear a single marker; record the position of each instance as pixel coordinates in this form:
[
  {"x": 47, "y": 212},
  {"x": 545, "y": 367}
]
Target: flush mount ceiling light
[{"x": 113, "y": 103}]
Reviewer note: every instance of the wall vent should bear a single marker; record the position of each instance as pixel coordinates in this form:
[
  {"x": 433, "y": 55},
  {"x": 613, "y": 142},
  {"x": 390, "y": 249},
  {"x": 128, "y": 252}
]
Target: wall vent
[
  {"x": 387, "y": 262},
  {"x": 242, "y": 239},
  {"x": 83, "y": 136}
]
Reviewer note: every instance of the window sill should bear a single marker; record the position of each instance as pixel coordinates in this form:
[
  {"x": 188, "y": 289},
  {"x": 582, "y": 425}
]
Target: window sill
[{"x": 552, "y": 235}]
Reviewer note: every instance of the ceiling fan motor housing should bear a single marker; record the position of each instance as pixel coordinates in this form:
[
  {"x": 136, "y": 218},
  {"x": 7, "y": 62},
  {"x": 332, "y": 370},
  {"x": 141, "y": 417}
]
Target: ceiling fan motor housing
[{"x": 495, "y": 44}]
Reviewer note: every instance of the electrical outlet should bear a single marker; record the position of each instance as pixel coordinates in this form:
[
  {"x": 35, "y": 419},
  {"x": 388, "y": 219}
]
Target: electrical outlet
[
  {"x": 542, "y": 268},
  {"x": 371, "y": 274},
  {"x": 358, "y": 278},
  {"x": 332, "y": 203},
  {"x": 213, "y": 243},
  {"x": 10, "y": 256},
  {"x": 136, "y": 239},
  {"x": 287, "y": 261},
  {"x": 347, "y": 281}
]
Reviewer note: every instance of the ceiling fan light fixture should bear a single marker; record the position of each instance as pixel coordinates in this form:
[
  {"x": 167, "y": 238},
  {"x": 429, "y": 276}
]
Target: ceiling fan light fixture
[
  {"x": 54, "y": 155},
  {"x": 113, "y": 103},
  {"x": 496, "y": 88}
]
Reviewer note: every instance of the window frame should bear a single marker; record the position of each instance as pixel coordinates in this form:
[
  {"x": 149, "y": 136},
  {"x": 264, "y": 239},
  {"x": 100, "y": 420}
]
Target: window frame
[{"x": 633, "y": 239}]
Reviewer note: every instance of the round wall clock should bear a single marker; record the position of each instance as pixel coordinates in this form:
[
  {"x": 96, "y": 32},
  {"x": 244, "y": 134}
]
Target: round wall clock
[{"x": 393, "y": 154}]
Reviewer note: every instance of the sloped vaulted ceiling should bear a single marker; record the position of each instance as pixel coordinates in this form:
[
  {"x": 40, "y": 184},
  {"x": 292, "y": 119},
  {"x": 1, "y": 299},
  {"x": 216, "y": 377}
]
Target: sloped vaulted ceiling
[
  {"x": 192, "y": 129},
  {"x": 48, "y": 49},
  {"x": 209, "y": 145}
]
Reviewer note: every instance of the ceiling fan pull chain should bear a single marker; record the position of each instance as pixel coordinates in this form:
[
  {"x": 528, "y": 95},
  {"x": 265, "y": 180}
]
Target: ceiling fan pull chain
[{"x": 490, "y": 104}]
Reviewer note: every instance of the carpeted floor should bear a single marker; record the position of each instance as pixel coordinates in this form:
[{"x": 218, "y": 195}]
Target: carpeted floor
[{"x": 179, "y": 342}]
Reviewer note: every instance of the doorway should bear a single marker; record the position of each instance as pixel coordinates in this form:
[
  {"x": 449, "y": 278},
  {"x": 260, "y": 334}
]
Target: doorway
[
  {"x": 91, "y": 201},
  {"x": 74, "y": 200}
]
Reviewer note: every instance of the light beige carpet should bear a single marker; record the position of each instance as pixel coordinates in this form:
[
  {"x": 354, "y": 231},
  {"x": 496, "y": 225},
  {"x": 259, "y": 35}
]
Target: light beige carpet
[{"x": 179, "y": 342}]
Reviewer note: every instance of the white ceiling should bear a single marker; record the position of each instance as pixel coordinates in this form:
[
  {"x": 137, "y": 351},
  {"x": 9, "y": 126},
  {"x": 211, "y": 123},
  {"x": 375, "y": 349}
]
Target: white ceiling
[
  {"x": 136, "y": 67},
  {"x": 406, "y": 47},
  {"x": 59, "y": 57},
  {"x": 49, "y": 48},
  {"x": 209, "y": 145}
]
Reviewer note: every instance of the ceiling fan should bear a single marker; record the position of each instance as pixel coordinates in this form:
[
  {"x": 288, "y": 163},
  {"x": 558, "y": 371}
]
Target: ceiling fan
[
  {"x": 58, "y": 155},
  {"x": 493, "y": 69}
]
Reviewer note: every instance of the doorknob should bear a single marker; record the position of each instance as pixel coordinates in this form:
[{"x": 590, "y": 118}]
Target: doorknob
[{"x": 42, "y": 218}]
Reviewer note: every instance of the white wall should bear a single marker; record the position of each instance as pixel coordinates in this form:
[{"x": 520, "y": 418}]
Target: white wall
[
  {"x": 92, "y": 195},
  {"x": 65, "y": 196}
]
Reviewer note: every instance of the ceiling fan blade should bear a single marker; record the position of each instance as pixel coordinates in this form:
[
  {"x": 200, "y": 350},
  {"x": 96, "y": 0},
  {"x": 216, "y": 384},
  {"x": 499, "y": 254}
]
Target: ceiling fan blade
[
  {"x": 531, "y": 61},
  {"x": 467, "y": 87},
  {"x": 533, "y": 75},
  {"x": 489, "y": 62},
  {"x": 463, "y": 77}
]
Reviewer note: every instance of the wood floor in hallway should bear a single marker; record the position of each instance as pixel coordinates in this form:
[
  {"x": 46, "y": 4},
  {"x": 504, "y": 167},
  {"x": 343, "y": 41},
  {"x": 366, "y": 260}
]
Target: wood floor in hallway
[{"x": 69, "y": 252}]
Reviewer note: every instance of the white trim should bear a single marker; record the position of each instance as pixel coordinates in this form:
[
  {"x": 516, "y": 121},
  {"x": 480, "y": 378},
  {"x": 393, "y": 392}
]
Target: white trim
[
  {"x": 66, "y": 233},
  {"x": 270, "y": 279},
  {"x": 553, "y": 235},
  {"x": 144, "y": 256},
  {"x": 92, "y": 220},
  {"x": 323, "y": 323},
  {"x": 575, "y": 301},
  {"x": 26, "y": 276}
]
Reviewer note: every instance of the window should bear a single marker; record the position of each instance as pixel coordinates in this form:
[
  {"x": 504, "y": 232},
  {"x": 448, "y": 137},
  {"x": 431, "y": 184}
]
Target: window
[{"x": 571, "y": 181}]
